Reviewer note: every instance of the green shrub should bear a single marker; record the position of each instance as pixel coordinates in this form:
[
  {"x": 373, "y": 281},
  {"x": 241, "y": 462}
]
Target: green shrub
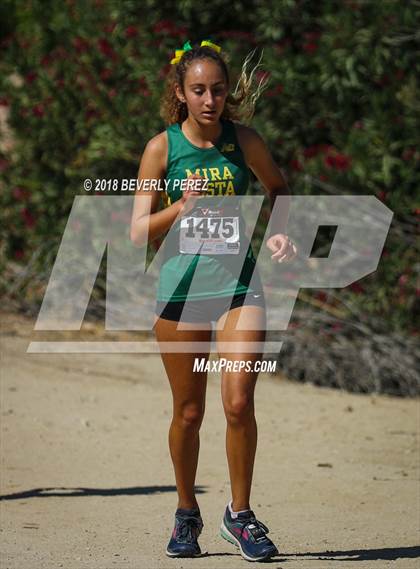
[{"x": 81, "y": 82}]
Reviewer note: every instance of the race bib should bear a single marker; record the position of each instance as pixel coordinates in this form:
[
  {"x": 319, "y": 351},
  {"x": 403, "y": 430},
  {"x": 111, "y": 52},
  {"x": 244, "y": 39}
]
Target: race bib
[{"x": 209, "y": 231}]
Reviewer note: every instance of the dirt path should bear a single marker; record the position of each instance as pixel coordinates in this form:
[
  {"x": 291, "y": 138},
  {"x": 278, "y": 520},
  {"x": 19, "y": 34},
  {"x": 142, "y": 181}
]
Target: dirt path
[{"x": 87, "y": 479}]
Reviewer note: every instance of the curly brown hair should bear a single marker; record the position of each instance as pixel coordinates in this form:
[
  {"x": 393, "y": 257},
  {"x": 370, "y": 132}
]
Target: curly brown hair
[{"x": 239, "y": 105}]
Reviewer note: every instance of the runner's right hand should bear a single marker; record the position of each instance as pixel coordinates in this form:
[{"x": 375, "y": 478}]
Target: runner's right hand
[{"x": 189, "y": 197}]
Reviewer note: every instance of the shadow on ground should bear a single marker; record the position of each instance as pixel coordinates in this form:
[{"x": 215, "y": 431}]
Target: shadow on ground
[{"x": 80, "y": 492}]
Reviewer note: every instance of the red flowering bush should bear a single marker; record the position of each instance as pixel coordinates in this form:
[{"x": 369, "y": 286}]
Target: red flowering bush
[{"x": 80, "y": 87}]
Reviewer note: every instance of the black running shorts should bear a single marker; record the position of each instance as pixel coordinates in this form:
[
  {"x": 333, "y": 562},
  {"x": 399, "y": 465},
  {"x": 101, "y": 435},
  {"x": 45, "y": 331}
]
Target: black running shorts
[{"x": 207, "y": 309}]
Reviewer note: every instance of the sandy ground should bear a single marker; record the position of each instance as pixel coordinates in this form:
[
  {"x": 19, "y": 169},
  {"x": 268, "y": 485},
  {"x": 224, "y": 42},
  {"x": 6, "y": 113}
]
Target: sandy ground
[{"x": 87, "y": 479}]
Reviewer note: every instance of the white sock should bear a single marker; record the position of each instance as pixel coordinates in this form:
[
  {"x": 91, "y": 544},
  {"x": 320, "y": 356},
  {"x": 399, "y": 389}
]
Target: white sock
[{"x": 235, "y": 514}]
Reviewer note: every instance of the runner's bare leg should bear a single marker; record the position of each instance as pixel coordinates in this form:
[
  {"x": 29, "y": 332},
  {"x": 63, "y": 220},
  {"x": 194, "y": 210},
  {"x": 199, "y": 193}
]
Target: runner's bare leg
[
  {"x": 238, "y": 401},
  {"x": 188, "y": 392}
]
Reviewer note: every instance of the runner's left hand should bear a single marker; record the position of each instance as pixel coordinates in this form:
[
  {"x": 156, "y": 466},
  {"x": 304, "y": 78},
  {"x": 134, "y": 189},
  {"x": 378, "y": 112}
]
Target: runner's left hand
[{"x": 282, "y": 247}]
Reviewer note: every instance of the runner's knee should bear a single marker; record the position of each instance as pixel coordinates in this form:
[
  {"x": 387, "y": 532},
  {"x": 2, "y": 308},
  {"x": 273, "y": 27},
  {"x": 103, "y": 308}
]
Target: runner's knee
[
  {"x": 239, "y": 409},
  {"x": 190, "y": 416}
]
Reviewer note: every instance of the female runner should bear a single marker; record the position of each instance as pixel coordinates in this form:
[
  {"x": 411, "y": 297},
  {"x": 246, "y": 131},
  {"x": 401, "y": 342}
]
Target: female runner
[{"x": 202, "y": 141}]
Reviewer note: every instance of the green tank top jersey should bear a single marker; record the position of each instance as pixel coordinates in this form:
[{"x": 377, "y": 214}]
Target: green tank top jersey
[{"x": 227, "y": 172}]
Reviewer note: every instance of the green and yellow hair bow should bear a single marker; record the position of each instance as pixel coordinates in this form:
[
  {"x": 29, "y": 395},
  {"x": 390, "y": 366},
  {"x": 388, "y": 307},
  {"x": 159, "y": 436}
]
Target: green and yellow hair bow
[{"x": 187, "y": 46}]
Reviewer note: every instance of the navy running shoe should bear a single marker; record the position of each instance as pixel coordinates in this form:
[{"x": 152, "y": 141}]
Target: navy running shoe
[
  {"x": 249, "y": 534},
  {"x": 188, "y": 526}
]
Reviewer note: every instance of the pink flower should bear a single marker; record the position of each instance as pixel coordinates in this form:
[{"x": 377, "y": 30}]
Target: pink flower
[
  {"x": 357, "y": 288},
  {"x": 310, "y": 47},
  {"x": 105, "y": 73},
  {"x": 403, "y": 280},
  {"x": 311, "y": 151},
  {"x": 342, "y": 162},
  {"x": 164, "y": 26},
  {"x": 91, "y": 113},
  {"x": 337, "y": 161},
  {"x": 20, "y": 194},
  {"x": 329, "y": 161},
  {"x": 321, "y": 295},
  {"x": 31, "y": 76},
  {"x": 106, "y": 49},
  {"x": 324, "y": 148},
  {"x": 358, "y": 125},
  {"x": 81, "y": 45},
  {"x": 408, "y": 154},
  {"x": 262, "y": 75},
  {"x": 161, "y": 26},
  {"x": 144, "y": 92},
  {"x": 109, "y": 28},
  {"x": 131, "y": 32},
  {"x": 38, "y": 110},
  {"x": 296, "y": 165},
  {"x": 169, "y": 28},
  {"x": 61, "y": 53},
  {"x": 179, "y": 32},
  {"x": 46, "y": 60},
  {"x": 28, "y": 218},
  {"x": 275, "y": 91},
  {"x": 19, "y": 254}
]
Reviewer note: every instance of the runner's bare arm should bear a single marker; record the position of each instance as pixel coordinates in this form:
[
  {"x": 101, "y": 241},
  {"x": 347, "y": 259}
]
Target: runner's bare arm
[
  {"x": 146, "y": 222},
  {"x": 259, "y": 159}
]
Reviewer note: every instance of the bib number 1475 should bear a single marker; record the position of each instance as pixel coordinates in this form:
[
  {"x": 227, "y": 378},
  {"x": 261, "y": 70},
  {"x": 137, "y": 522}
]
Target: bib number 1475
[
  {"x": 215, "y": 227},
  {"x": 211, "y": 235}
]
